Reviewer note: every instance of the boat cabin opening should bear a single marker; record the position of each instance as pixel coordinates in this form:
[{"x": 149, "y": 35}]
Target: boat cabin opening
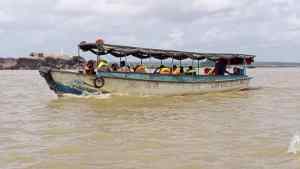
[{"x": 171, "y": 61}]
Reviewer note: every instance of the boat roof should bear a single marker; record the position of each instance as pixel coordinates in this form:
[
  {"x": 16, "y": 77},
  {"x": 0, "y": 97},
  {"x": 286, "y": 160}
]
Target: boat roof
[{"x": 144, "y": 53}]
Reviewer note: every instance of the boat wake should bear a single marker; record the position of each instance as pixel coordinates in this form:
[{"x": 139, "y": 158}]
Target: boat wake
[
  {"x": 252, "y": 88},
  {"x": 294, "y": 146},
  {"x": 87, "y": 96}
]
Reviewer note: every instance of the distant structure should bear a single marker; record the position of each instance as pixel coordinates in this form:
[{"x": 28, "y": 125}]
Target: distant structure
[{"x": 41, "y": 55}]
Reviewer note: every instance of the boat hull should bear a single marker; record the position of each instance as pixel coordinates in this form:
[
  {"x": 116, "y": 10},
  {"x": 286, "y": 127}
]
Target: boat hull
[
  {"x": 139, "y": 84},
  {"x": 68, "y": 82},
  {"x": 142, "y": 88}
]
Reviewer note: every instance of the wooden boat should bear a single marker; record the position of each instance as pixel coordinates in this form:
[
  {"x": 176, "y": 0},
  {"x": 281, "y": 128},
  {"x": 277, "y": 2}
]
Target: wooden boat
[{"x": 133, "y": 83}]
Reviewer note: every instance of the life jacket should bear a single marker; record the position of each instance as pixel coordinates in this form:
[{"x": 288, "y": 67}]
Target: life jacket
[
  {"x": 102, "y": 63},
  {"x": 165, "y": 70},
  {"x": 190, "y": 72},
  {"x": 140, "y": 69}
]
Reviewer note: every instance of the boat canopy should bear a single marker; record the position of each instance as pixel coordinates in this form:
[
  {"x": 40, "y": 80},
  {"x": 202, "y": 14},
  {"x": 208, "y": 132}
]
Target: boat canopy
[{"x": 144, "y": 53}]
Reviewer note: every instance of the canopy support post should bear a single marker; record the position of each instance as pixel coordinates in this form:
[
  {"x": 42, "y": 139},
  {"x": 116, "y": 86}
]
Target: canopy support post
[
  {"x": 198, "y": 62},
  {"x": 98, "y": 60},
  {"x": 78, "y": 51},
  {"x": 244, "y": 62},
  {"x": 141, "y": 61},
  {"x": 192, "y": 62}
]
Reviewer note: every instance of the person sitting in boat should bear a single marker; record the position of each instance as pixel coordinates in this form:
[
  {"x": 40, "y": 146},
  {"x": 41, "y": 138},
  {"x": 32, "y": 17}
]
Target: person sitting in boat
[
  {"x": 236, "y": 71},
  {"x": 162, "y": 69},
  {"x": 190, "y": 71},
  {"x": 139, "y": 69},
  {"x": 181, "y": 70},
  {"x": 114, "y": 67},
  {"x": 165, "y": 70},
  {"x": 209, "y": 71},
  {"x": 103, "y": 66},
  {"x": 206, "y": 70},
  {"x": 156, "y": 71},
  {"x": 123, "y": 67},
  {"x": 89, "y": 68},
  {"x": 175, "y": 70}
]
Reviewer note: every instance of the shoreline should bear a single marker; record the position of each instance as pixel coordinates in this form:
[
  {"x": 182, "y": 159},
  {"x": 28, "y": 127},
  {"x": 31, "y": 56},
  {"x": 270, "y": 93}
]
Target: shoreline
[
  {"x": 75, "y": 62},
  {"x": 34, "y": 63}
]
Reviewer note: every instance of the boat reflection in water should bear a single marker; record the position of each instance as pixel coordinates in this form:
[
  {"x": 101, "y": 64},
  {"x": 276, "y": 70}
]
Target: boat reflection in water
[{"x": 130, "y": 82}]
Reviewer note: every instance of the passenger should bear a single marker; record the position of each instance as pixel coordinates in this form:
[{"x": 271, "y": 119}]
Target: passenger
[
  {"x": 190, "y": 71},
  {"x": 139, "y": 69},
  {"x": 89, "y": 68},
  {"x": 123, "y": 67},
  {"x": 211, "y": 72},
  {"x": 175, "y": 70},
  {"x": 157, "y": 70},
  {"x": 165, "y": 71},
  {"x": 220, "y": 68},
  {"x": 103, "y": 66},
  {"x": 207, "y": 70},
  {"x": 114, "y": 67},
  {"x": 181, "y": 70},
  {"x": 236, "y": 71}
]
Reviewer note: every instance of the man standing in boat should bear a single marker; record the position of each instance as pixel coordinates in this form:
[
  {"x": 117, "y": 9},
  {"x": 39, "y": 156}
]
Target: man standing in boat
[{"x": 220, "y": 67}]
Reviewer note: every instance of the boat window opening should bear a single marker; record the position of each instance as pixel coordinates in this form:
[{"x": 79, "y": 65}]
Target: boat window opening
[
  {"x": 193, "y": 62},
  {"x": 98, "y": 60},
  {"x": 180, "y": 62},
  {"x": 101, "y": 48},
  {"x": 150, "y": 65}
]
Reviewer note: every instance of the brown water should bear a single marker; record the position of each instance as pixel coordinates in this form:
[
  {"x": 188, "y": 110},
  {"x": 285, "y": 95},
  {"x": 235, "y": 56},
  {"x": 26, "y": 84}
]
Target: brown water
[{"x": 237, "y": 130}]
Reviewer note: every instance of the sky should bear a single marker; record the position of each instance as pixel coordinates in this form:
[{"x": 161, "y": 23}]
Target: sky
[{"x": 269, "y": 29}]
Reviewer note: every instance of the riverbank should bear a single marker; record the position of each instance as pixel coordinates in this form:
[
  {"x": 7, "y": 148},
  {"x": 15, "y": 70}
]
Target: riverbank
[
  {"x": 33, "y": 62},
  {"x": 275, "y": 64}
]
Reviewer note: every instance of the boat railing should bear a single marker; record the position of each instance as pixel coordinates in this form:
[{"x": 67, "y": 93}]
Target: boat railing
[{"x": 169, "y": 77}]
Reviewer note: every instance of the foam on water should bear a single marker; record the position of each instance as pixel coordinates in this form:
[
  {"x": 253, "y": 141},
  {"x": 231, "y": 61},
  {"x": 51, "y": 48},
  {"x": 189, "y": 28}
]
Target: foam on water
[
  {"x": 89, "y": 96},
  {"x": 252, "y": 88},
  {"x": 294, "y": 146}
]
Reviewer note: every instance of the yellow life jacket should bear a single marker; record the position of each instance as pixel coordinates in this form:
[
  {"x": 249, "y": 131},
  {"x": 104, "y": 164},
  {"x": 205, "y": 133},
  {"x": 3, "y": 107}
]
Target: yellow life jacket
[
  {"x": 165, "y": 70},
  {"x": 102, "y": 63},
  {"x": 140, "y": 69},
  {"x": 190, "y": 72}
]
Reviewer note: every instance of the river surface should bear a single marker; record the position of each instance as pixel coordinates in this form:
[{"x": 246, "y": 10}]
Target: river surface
[{"x": 231, "y": 130}]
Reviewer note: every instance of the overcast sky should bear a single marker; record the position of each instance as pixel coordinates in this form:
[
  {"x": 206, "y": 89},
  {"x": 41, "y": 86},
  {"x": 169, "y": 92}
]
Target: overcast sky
[{"x": 269, "y": 29}]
